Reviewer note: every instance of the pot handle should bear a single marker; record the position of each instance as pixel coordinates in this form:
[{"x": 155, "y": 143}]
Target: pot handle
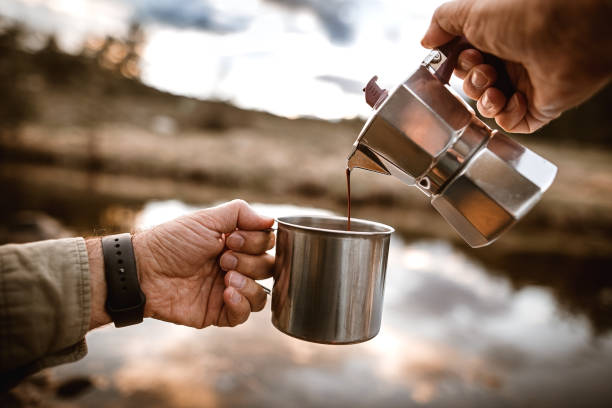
[{"x": 453, "y": 48}]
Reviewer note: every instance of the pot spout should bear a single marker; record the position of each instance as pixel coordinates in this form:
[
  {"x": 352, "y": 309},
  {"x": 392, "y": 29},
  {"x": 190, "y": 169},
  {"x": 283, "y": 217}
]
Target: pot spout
[{"x": 364, "y": 158}]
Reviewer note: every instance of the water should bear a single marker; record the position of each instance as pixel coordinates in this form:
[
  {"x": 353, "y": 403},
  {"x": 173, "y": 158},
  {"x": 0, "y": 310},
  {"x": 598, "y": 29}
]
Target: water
[{"x": 453, "y": 334}]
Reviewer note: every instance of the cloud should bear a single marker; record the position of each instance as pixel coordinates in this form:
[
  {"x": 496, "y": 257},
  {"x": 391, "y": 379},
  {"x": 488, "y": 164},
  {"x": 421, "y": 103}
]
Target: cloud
[
  {"x": 349, "y": 86},
  {"x": 199, "y": 14},
  {"x": 437, "y": 296},
  {"x": 335, "y": 15}
]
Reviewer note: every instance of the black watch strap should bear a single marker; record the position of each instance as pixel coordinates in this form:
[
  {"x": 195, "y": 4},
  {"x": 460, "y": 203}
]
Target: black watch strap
[{"x": 124, "y": 300}]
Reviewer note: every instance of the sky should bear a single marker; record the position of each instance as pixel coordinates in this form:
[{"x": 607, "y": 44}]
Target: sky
[{"x": 293, "y": 58}]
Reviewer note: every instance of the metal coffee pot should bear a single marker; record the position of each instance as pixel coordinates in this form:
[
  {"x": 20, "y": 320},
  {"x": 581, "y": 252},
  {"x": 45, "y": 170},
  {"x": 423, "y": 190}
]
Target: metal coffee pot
[{"x": 480, "y": 180}]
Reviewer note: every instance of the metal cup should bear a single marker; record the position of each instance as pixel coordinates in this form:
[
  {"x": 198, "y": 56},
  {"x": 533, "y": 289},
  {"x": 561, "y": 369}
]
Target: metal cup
[{"x": 329, "y": 282}]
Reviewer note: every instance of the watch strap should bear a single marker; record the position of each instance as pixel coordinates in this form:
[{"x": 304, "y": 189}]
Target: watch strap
[{"x": 125, "y": 300}]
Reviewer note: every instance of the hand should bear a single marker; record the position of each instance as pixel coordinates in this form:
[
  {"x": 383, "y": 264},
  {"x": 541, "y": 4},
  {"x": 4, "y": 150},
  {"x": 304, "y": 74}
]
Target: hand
[
  {"x": 182, "y": 267},
  {"x": 557, "y": 53},
  {"x": 182, "y": 264}
]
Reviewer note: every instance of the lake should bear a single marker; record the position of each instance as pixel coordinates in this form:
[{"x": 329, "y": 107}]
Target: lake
[{"x": 454, "y": 333}]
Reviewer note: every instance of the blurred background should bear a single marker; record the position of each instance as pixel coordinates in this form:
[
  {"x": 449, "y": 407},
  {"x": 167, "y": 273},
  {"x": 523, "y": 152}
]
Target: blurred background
[{"x": 116, "y": 115}]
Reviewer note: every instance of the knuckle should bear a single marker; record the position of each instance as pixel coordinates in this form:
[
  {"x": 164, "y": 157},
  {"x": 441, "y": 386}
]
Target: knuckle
[
  {"x": 503, "y": 123},
  {"x": 239, "y": 203}
]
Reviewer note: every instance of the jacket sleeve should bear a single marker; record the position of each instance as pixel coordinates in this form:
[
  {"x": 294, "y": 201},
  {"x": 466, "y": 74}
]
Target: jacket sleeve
[{"x": 44, "y": 305}]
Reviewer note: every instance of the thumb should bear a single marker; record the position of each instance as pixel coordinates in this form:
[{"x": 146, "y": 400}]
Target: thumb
[
  {"x": 447, "y": 22},
  {"x": 237, "y": 214}
]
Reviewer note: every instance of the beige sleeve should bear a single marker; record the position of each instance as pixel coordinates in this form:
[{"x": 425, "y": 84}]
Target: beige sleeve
[{"x": 44, "y": 305}]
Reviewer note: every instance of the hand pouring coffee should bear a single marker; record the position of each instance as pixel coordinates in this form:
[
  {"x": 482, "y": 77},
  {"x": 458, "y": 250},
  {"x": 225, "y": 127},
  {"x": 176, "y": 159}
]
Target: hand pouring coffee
[{"x": 480, "y": 180}]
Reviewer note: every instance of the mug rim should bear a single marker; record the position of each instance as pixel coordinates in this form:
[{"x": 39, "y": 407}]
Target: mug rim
[{"x": 388, "y": 230}]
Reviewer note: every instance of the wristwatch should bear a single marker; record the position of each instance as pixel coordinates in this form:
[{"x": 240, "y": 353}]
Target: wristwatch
[{"x": 125, "y": 300}]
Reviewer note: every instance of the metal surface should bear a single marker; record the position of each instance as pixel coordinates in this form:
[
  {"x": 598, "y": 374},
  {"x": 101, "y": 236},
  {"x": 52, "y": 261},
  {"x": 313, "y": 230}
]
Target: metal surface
[
  {"x": 434, "y": 59},
  {"x": 329, "y": 282},
  {"x": 407, "y": 133},
  {"x": 424, "y": 134},
  {"x": 499, "y": 185},
  {"x": 473, "y": 137}
]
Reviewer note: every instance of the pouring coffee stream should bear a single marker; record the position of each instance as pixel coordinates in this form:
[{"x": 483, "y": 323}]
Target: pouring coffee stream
[
  {"x": 348, "y": 198},
  {"x": 374, "y": 97}
]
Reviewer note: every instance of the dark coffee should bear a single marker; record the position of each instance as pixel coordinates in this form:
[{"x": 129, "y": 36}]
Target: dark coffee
[{"x": 348, "y": 198}]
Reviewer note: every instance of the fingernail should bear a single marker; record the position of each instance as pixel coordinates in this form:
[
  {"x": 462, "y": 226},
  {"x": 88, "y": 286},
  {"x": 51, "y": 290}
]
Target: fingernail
[
  {"x": 479, "y": 80},
  {"x": 235, "y": 297},
  {"x": 271, "y": 241},
  {"x": 228, "y": 262},
  {"x": 235, "y": 241},
  {"x": 486, "y": 102},
  {"x": 237, "y": 280},
  {"x": 465, "y": 64}
]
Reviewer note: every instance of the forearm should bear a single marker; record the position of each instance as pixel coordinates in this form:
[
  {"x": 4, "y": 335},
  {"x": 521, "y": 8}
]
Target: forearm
[
  {"x": 586, "y": 24},
  {"x": 575, "y": 49}
]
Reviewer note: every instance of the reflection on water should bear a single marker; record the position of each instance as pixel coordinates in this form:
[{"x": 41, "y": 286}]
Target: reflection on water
[{"x": 452, "y": 335}]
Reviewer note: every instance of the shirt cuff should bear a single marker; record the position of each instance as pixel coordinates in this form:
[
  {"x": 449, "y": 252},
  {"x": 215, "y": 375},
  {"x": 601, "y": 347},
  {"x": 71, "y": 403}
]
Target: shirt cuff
[{"x": 45, "y": 304}]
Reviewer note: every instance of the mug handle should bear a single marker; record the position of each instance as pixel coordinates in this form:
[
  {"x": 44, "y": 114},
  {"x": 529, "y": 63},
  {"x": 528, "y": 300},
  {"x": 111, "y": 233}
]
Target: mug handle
[{"x": 267, "y": 290}]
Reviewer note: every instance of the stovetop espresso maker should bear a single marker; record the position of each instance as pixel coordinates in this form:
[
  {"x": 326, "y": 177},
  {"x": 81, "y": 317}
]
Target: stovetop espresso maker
[{"x": 480, "y": 180}]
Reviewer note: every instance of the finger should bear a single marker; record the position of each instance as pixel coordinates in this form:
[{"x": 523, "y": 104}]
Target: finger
[
  {"x": 250, "y": 242},
  {"x": 253, "y": 266},
  {"x": 491, "y": 102},
  {"x": 513, "y": 114},
  {"x": 478, "y": 80},
  {"x": 467, "y": 60},
  {"x": 235, "y": 214},
  {"x": 236, "y": 309},
  {"x": 248, "y": 288},
  {"x": 447, "y": 22},
  {"x": 529, "y": 124}
]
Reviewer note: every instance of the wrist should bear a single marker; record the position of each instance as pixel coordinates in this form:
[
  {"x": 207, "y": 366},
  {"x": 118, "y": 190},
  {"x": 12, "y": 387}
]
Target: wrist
[
  {"x": 144, "y": 258},
  {"x": 98, "y": 315}
]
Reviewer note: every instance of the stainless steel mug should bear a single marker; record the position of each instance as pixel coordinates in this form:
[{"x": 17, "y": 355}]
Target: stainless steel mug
[{"x": 329, "y": 282}]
